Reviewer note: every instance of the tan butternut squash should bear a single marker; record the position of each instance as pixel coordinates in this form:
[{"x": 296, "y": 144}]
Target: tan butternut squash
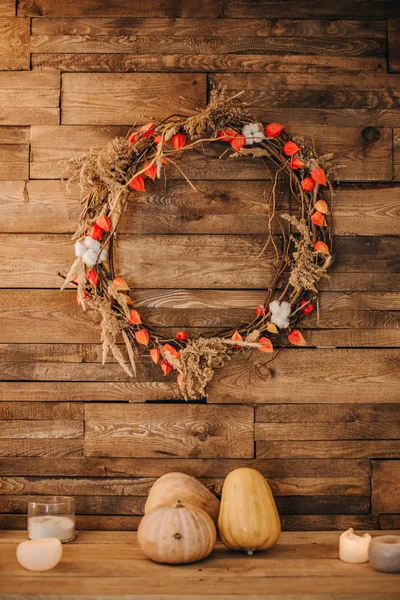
[
  {"x": 177, "y": 534},
  {"x": 248, "y": 518},
  {"x": 179, "y": 486}
]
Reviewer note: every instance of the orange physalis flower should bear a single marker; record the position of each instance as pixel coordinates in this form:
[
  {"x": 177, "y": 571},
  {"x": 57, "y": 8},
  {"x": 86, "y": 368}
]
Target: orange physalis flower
[
  {"x": 290, "y": 148},
  {"x": 137, "y": 184},
  {"x": 227, "y": 134},
  {"x": 296, "y": 338},
  {"x": 166, "y": 366},
  {"x": 142, "y": 336},
  {"x": 133, "y": 138},
  {"x": 128, "y": 298},
  {"x": 318, "y": 219},
  {"x": 159, "y": 138},
  {"x": 273, "y": 130},
  {"x": 104, "y": 222},
  {"x": 155, "y": 355},
  {"x": 95, "y": 232},
  {"x": 296, "y": 163},
  {"x": 92, "y": 277},
  {"x": 178, "y": 141},
  {"x": 260, "y": 310},
  {"x": 134, "y": 317},
  {"x": 238, "y": 142},
  {"x": 147, "y": 130},
  {"x": 321, "y": 247},
  {"x": 307, "y": 307},
  {"x": 150, "y": 170},
  {"x": 172, "y": 350},
  {"x": 182, "y": 336},
  {"x": 120, "y": 284},
  {"x": 236, "y": 336},
  {"x": 319, "y": 176},
  {"x": 322, "y": 206},
  {"x": 265, "y": 345},
  {"x": 308, "y": 184}
]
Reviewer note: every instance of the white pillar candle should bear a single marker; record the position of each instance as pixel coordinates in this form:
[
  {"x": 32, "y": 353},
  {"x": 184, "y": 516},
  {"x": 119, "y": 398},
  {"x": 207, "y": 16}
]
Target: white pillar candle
[
  {"x": 353, "y": 548},
  {"x": 52, "y": 526},
  {"x": 39, "y": 555}
]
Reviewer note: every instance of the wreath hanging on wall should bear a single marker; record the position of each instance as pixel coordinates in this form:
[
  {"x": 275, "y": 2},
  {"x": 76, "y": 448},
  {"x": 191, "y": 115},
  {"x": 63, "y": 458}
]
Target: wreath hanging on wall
[{"x": 108, "y": 176}]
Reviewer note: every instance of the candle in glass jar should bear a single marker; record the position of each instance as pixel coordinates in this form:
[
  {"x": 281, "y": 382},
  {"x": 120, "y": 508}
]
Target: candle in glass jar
[
  {"x": 353, "y": 548},
  {"x": 62, "y": 528}
]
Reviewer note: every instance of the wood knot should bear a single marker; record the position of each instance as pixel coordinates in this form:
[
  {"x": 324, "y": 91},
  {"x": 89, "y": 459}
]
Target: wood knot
[
  {"x": 202, "y": 437},
  {"x": 177, "y": 536},
  {"x": 264, "y": 372},
  {"x": 371, "y": 135}
]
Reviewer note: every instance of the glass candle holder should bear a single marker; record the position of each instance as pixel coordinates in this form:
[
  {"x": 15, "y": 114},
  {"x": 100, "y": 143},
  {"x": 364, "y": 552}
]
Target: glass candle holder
[{"x": 52, "y": 517}]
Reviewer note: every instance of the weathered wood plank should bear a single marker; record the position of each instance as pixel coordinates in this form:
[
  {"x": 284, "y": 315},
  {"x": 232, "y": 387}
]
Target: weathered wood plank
[
  {"x": 55, "y": 429},
  {"x": 51, "y": 317},
  {"x": 396, "y": 154},
  {"x": 45, "y": 391},
  {"x": 394, "y": 44},
  {"x": 117, "y": 8},
  {"x": 200, "y": 63},
  {"x": 41, "y": 411},
  {"x": 41, "y": 447},
  {"x": 207, "y": 44},
  {"x": 334, "y": 414},
  {"x": 204, "y": 468},
  {"x": 7, "y": 8},
  {"x": 389, "y": 521},
  {"x": 140, "y": 487},
  {"x": 90, "y": 98},
  {"x": 322, "y": 431},
  {"x": 191, "y": 27},
  {"x": 14, "y": 135},
  {"x": 239, "y": 9},
  {"x": 205, "y": 261},
  {"x": 28, "y": 98},
  {"x": 344, "y": 376},
  {"x": 386, "y": 486},
  {"x": 329, "y": 449},
  {"x": 14, "y": 161},
  {"x": 168, "y": 430},
  {"x": 361, "y": 160},
  {"x": 134, "y": 505},
  {"x": 14, "y": 43},
  {"x": 45, "y": 206}
]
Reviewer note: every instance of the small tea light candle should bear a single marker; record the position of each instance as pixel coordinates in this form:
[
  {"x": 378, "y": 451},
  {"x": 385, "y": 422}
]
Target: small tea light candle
[
  {"x": 353, "y": 548},
  {"x": 39, "y": 555},
  {"x": 384, "y": 553},
  {"x": 52, "y": 518}
]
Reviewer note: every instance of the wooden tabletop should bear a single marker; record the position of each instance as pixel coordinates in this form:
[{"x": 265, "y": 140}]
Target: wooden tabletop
[{"x": 302, "y": 566}]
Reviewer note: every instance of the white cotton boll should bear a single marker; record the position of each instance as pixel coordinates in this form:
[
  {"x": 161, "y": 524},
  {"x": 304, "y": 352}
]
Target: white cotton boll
[
  {"x": 285, "y": 309},
  {"x": 103, "y": 255},
  {"x": 90, "y": 257},
  {"x": 274, "y": 307},
  {"x": 91, "y": 243},
  {"x": 281, "y": 322},
  {"x": 258, "y": 137},
  {"x": 80, "y": 248}
]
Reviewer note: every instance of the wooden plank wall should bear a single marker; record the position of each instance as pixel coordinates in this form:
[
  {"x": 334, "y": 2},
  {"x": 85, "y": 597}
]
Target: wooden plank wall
[{"x": 322, "y": 423}]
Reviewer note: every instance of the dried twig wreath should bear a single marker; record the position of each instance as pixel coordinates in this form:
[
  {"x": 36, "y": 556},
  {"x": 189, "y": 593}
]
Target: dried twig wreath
[{"x": 107, "y": 176}]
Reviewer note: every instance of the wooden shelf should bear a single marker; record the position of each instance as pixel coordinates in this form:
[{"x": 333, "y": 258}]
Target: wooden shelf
[{"x": 303, "y": 565}]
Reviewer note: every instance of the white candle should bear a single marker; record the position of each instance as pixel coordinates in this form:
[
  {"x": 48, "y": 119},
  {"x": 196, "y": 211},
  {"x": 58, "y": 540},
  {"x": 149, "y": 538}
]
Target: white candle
[
  {"x": 353, "y": 548},
  {"x": 39, "y": 555},
  {"x": 52, "y": 526}
]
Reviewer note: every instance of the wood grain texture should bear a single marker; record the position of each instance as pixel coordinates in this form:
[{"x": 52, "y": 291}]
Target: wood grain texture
[
  {"x": 90, "y": 98},
  {"x": 117, "y": 566},
  {"x": 14, "y": 44},
  {"x": 45, "y": 206},
  {"x": 386, "y": 486},
  {"x": 322, "y": 414},
  {"x": 186, "y": 431},
  {"x": 394, "y": 44}
]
